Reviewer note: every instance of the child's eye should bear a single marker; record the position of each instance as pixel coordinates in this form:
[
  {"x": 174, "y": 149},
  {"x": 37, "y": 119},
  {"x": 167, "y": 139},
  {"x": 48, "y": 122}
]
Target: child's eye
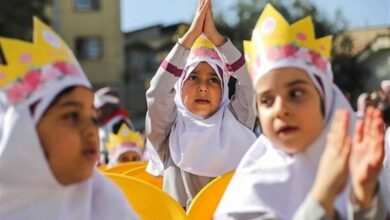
[
  {"x": 192, "y": 77},
  {"x": 296, "y": 93},
  {"x": 267, "y": 101},
  {"x": 71, "y": 116},
  {"x": 214, "y": 80}
]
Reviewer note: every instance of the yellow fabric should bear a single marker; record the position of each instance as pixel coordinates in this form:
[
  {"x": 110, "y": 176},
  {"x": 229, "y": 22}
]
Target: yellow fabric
[
  {"x": 206, "y": 201},
  {"x": 140, "y": 173},
  {"x": 123, "y": 167},
  {"x": 148, "y": 201}
]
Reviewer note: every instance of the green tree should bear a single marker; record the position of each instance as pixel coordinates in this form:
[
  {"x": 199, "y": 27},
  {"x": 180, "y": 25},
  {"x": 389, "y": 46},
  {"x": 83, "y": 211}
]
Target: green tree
[{"x": 348, "y": 75}]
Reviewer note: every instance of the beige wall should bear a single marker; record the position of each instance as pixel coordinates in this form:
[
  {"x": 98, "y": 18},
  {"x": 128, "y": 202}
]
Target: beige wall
[{"x": 104, "y": 23}]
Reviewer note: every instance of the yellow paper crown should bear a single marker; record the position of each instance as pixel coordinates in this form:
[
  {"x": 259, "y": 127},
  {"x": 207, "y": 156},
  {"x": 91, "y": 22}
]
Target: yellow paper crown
[
  {"x": 202, "y": 42},
  {"x": 272, "y": 31},
  {"x": 21, "y": 57},
  {"x": 203, "y": 47},
  {"x": 125, "y": 135}
]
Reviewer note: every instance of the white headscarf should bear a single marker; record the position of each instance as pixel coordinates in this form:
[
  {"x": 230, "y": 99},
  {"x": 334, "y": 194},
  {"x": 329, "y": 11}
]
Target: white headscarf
[
  {"x": 28, "y": 189},
  {"x": 212, "y": 146},
  {"x": 270, "y": 180}
]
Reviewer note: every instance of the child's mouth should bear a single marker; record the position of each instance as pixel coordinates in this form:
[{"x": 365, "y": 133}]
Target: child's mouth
[
  {"x": 91, "y": 153},
  {"x": 286, "y": 130},
  {"x": 202, "y": 101}
]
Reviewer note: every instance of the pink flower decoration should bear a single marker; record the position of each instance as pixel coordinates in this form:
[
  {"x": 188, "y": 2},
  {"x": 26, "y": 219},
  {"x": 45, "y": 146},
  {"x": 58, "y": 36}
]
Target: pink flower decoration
[
  {"x": 318, "y": 61},
  {"x": 301, "y": 36},
  {"x": 2, "y": 76},
  {"x": 288, "y": 50},
  {"x": 321, "y": 64},
  {"x": 273, "y": 53},
  {"x": 67, "y": 69},
  {"x": 314, "y": 56},
  {"x": 50, "y": 72},
  {"x": 303, "y": 55},
  {"x": 32, "y": 80},
  {"x": 203, "y": 52},
  {"x": 25, "y": 58},
  {"x": 16, "y": 93},
  {"x": 285, "y": 51}
]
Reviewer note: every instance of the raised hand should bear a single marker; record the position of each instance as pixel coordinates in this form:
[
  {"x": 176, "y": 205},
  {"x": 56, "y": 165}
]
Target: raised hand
[
  {"x": 332, "y": 174},
  {"x": 209, "y": 27},
  {"x": 196, "y": 27},
  {"x": 367, "y": 156}
]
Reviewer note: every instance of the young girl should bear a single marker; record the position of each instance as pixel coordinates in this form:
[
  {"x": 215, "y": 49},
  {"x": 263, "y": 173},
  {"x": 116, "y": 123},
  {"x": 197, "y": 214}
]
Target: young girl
[
  {"x": 110, "y": 113},
  {"x": 194, "y": 132},
  {"x": 281, "y": 176},
  {"x": 125, "y": 145},
  {"x": 49, "y": 142}
]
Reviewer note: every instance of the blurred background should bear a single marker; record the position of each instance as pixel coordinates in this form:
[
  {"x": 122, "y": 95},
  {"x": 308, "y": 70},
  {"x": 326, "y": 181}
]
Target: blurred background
[{"x": 120, "y": 43}]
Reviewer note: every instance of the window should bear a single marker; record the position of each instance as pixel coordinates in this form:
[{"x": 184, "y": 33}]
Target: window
[
  {"x": 87, "y": 5},
  {"x": 89, "y": 48}
]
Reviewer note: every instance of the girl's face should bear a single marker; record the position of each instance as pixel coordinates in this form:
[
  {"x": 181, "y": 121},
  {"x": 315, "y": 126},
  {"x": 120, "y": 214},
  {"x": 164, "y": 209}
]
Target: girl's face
[
  {"x": 129, "y": 156},
  {"x": 201, "y": 92},
  {"x": 69, "y": 136},
  {"x": 289, "y": 109}
]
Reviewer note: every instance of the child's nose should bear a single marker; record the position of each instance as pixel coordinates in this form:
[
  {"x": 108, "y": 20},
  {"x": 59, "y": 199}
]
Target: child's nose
[
  {"x": 203, "y": 87},
  {"x": 90, "y": 131},
  {"x": 281, "y": 108}
]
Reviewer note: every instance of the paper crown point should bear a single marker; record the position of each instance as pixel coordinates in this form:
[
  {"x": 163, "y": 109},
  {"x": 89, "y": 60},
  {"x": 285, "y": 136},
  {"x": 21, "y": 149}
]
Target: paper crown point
[
  {"x": 204, "y": 48},
  {"x": 272, "y": 31},
  {"x": 125, "y": 135},
  {"x": 24, "y": 73}
]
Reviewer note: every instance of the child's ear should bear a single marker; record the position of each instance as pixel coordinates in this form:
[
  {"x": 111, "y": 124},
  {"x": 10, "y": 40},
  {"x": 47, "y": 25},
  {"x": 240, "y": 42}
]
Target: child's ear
[{"x": 33, "y": 107}]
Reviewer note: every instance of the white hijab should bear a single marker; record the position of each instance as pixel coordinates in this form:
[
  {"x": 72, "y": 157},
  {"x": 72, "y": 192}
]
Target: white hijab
[
  {"x": 28, "y": 188},
  {"x": 268, "y": 179},
  {"x": 212, "y": 146}
]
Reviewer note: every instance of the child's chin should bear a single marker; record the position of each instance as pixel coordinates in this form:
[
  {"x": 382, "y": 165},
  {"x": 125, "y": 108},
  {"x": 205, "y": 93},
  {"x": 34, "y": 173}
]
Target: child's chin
[
  {"x": 291, "y": 148},
  {"x": 77, "y": 177}
]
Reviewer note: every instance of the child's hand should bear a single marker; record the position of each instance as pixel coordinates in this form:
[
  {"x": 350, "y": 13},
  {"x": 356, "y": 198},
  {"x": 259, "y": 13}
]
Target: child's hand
[
  {"x": 196, "y": 28},
  {"x": 332, "y": 174},
  {"x": 367, "y": 156},
  {"x": 209, "y": 27}
]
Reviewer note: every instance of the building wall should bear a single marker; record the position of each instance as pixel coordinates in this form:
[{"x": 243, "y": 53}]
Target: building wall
[{"x": 103, "y": 23}]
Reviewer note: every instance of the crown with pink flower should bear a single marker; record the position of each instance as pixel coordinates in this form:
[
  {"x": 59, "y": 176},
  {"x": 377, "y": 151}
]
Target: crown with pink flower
[
  {"x": 204, "y": 48},
  {"x": 274, "y": 40},
  {"x": 31, "y": 66},
  {"x": 125, "y": 137}
]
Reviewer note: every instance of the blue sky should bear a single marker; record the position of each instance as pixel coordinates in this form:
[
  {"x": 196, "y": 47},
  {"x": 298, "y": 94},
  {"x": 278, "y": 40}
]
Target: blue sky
[{"x": 137, "y": 14}]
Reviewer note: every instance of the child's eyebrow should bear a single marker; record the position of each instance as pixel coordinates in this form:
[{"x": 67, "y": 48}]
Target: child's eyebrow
[
  {"x": 70, "y": 104},
  {"x": 196, "y": 72},
  {"x": 295, "y": 82}
]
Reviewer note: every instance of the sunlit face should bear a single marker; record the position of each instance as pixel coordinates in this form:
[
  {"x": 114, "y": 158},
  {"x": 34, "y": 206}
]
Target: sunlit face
[
  {"x": 201, "y": 92},
  {"x": 69, "y": 136},
  {"x": 289, "y": 108},
  {"x": 129, "y": 156}
]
